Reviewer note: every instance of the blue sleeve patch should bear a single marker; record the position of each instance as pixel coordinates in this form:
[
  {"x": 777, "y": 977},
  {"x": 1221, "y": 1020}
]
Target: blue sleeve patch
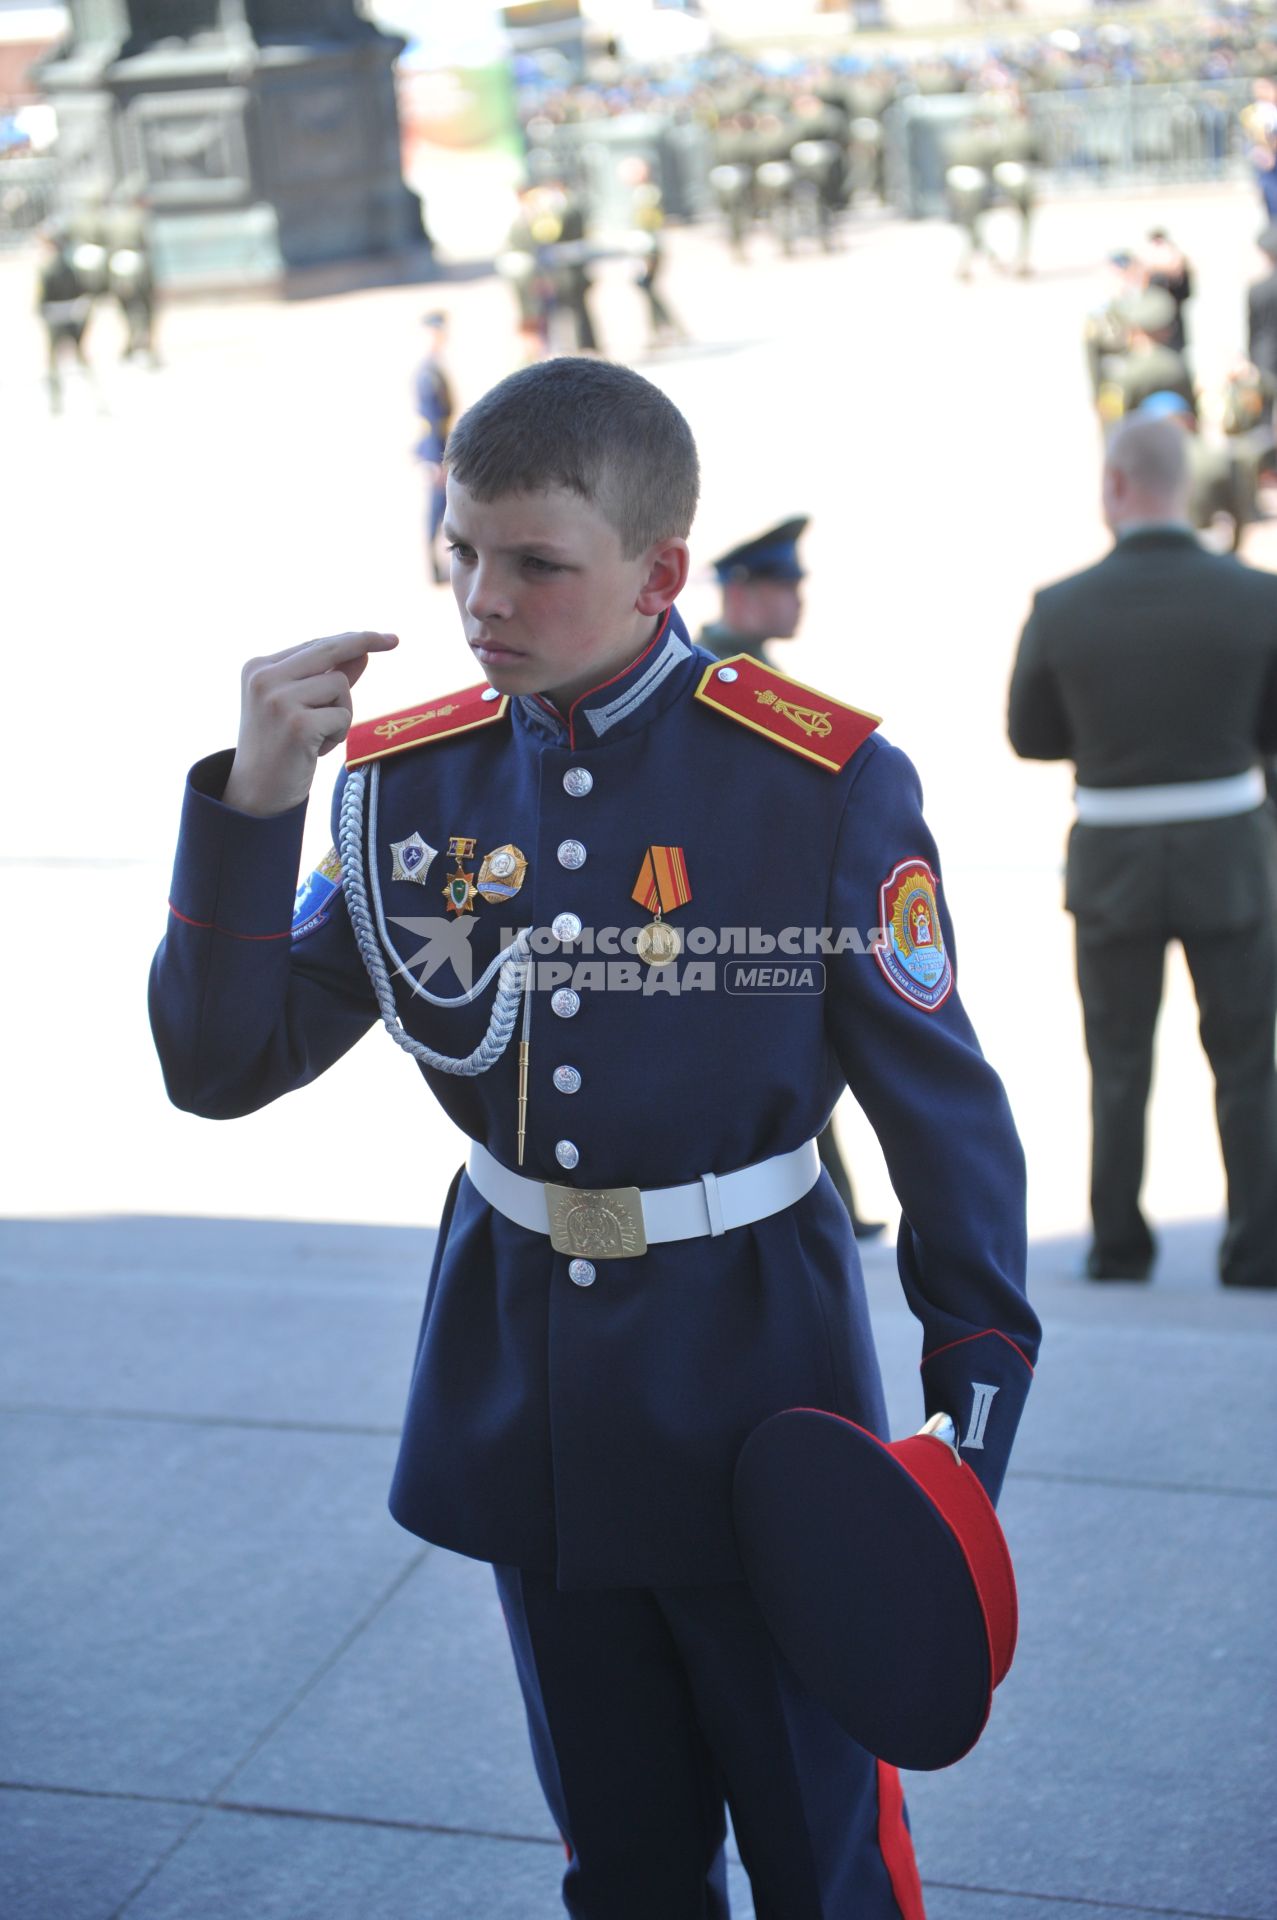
[{"x": 315, "y": 896}]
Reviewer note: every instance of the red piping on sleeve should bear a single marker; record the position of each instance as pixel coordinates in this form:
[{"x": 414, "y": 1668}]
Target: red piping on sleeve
[
  {"x": 211, "y": 926},
  {"x": 988, "y": 1333}
]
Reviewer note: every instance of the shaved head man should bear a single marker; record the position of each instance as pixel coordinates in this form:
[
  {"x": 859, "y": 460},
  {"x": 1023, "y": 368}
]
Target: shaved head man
[
  {"x": 1146, "y": 476},
  {"x": 1155, "y": 672}
]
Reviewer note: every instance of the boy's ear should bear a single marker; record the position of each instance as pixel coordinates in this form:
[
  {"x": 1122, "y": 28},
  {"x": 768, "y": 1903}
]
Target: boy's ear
[{"x": 668, "y": 565}]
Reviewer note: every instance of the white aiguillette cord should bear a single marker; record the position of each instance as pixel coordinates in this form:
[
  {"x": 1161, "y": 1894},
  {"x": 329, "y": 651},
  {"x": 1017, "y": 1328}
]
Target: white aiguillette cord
[{"x": 513, "y": 964}]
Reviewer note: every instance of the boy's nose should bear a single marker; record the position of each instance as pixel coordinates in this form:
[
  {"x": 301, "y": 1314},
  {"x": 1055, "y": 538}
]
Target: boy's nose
[{"x": 485, "y": 600}]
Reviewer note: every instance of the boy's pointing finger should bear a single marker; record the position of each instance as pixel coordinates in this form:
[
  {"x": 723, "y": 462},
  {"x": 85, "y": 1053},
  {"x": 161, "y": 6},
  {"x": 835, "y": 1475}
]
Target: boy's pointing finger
[{"x": 338, "y": 649}]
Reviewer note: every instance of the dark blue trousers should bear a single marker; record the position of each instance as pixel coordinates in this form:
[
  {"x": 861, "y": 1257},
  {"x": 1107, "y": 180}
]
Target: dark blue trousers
[{"x": 651, "y": 1711}]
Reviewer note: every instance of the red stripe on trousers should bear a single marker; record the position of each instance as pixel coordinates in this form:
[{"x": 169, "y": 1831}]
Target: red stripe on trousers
[{"x": 897, "y": 1846}]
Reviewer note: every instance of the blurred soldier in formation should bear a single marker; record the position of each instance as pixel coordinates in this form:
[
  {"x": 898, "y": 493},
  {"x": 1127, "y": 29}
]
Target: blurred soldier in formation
[
  {"x": 525, "y": 265},
  {"x": 1105, "y": 333},
  {"x": 761, "y": 582},
  {"x": 569, "y": 254},
  {"x": 774, "y": 200},
  {"x": 970, "y": 152},
  {"x": 991, "y": 159},
  {"x": 1148, "y": 364},
  {"x": 130, "y": 277},
  {"x": 1014, "y": 174},
  {"x": 819, "y": 171},
  {"x": 64, "y": 305},
  {"x": 1261, "y": 324},
  {"x": 648, "y": 220},
  {"x": 1167, "y": 267},
  {"x": 435, "y": 408},
  {"x": 1223, "y": 481},
  {"x": 1155, "y": 673},
  {"x": 731, "y": 178},
  {"x": 819, "y": 135},
  {"x": 968, "y": 191}
]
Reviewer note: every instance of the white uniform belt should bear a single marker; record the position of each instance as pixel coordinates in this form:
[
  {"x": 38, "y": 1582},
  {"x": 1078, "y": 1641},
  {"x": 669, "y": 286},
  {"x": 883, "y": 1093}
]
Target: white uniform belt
[
  {"x": 615, "y": 1223},
  {"x": 1162, "y": 806}
]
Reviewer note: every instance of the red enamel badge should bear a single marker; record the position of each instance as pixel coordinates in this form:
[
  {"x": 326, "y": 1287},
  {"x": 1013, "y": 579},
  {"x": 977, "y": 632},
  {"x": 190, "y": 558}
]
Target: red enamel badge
[
  {"x": 784, "y": 710},
  {"x": 434, "y": 720}
]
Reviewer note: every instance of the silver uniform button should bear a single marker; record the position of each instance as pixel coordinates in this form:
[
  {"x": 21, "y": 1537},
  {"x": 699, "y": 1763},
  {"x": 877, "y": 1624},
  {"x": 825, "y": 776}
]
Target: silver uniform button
[
  {"x": 490, "y": 693},
  {"x": 727, "y": 673},
  {"x": 566, "y": 1153},
  {"x": 578, "y": 781},
  {"x": 567, "y": 1079},
  {"x": 566, "y": 1001},
  {"x": 581, "y": 1273},
  {"x": 566, "y": 926},
  {"x": 571, "y": 854}
]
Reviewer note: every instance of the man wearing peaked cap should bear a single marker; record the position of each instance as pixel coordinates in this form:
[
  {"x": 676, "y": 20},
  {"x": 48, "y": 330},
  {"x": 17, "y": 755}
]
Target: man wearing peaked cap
[
  {"x": 1150, "y": 364},
  {"x": 762, "y": 581}
]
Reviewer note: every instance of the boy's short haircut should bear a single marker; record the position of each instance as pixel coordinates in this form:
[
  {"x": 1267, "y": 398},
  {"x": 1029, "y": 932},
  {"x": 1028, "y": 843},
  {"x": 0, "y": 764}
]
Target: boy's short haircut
[{"x": 593, "y": 428}]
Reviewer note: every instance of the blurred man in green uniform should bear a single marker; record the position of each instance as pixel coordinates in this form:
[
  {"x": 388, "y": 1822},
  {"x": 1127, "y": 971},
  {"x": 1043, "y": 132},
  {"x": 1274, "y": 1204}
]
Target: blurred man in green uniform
[
  {"x": 1223, "y": 478},
  {"x": 1150, "y": 364}
]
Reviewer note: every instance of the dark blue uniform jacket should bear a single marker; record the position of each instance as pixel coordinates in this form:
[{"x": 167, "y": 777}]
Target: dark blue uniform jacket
[{"x": 593, "y": 1431}]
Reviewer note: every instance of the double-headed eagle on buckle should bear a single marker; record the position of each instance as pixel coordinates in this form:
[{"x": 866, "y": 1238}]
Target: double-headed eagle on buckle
[{"x": 605, "y": 1223}]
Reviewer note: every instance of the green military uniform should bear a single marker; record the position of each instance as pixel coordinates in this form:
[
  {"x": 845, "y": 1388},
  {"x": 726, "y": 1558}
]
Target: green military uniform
[
  {"x": 1223, "y": 477},
  {"x": 1149, "y": 365},
  {"x": 723, "y": 642},
  {"x": 1155, "y": 672}
]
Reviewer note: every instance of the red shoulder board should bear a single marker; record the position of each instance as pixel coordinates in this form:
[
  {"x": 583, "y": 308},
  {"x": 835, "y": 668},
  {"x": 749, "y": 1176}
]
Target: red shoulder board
[
  {"x": 786, "y": 711},
  {"x": 414, "y": 726}
]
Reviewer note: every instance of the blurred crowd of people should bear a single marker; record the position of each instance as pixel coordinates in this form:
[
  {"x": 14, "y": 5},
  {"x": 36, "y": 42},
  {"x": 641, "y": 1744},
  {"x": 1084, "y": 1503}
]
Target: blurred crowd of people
[{"x": 1230, "y": 43}]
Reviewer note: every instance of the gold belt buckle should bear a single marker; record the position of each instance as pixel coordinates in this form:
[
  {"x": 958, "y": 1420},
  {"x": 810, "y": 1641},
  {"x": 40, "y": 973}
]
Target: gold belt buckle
[{"x": 603, "y": 1223}]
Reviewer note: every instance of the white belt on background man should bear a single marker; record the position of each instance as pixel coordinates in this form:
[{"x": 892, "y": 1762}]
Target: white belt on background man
[
  {"x": 617, "y": 1223},
  {"x": 1163, "y": 806}
]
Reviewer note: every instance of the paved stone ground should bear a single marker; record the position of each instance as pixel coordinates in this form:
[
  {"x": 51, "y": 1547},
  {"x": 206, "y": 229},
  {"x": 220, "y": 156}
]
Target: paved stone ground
[
  {"x": 236, "y": 1691},
  {"x": 232, "y": 1688}
]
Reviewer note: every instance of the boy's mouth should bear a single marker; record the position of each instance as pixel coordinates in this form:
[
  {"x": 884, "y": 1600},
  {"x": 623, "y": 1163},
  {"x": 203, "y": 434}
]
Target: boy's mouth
[{"x": 494, "y": 651}]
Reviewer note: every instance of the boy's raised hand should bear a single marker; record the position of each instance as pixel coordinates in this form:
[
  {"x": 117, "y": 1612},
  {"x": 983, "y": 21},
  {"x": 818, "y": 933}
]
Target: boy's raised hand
[{"x": 294, "y": 706}]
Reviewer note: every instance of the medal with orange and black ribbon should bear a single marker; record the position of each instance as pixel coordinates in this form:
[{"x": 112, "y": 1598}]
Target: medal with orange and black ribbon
[{"x": 662, "y": 885}]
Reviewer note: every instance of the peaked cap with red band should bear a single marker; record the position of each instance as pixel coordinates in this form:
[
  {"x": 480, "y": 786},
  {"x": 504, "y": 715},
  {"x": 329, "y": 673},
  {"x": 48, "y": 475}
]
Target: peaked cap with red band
[
  {"x": 440, "y": 719},
  {"x": 785, "y": 711},
  {"x": 884, "y": 1577}
]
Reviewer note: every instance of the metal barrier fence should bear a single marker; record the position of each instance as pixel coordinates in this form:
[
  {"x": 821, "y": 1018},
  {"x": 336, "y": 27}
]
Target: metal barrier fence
[
  {"x": 27, "y": 195},
  {"x": 1109, "y": 136}
]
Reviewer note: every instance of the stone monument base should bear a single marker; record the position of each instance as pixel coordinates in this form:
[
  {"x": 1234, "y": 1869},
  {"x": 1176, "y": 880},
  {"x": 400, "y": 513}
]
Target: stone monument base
[{"x": 255, "y": 161}]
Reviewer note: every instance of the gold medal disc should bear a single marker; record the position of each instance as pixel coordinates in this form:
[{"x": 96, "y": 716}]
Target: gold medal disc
[{"x": 658, "y": 943}]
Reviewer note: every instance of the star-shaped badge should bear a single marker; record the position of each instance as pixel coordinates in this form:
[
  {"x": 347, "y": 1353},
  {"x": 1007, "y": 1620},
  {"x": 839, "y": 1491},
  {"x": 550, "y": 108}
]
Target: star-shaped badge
[{"x": 412, "y": 858}]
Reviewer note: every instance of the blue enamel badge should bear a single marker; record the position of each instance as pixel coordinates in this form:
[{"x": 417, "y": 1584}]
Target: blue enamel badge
[
  {"x": 315, "y": 895},
  {"x": 911, "y": 952}
]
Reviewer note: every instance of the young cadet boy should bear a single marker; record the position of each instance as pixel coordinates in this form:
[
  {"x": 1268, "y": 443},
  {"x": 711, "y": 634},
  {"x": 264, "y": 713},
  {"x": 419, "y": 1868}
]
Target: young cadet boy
[{"x": 642, "y": 1260}]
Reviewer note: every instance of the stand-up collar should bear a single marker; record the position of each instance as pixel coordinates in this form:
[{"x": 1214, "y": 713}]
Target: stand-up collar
[{"x": 624, "y": 702}]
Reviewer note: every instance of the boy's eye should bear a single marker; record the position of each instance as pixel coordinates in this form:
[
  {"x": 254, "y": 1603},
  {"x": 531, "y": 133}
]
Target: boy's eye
[
  {"x": 462, "y": 551},
  {"x": 535, "y": 564}
]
